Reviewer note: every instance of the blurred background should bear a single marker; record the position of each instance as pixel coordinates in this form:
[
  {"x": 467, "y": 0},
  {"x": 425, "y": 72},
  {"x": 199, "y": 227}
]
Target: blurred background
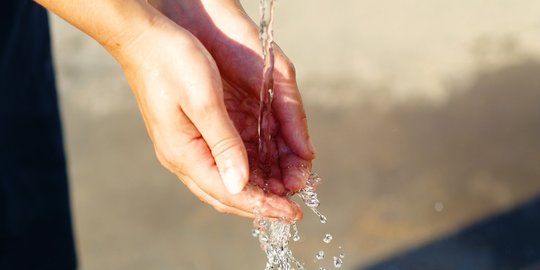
[{"x": 425, "y": 114}]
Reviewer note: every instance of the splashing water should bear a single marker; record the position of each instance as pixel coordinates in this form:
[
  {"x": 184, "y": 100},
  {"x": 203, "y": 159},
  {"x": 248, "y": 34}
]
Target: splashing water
[
  {"x": 327, "y": 238},
  {"x": 320, "y": 255},
  {"x": 337, "y": 262},
  {"x": 274, "y": 235},
  {"x": 296, "y": 236},
  {"x": 274, "y": 238}
]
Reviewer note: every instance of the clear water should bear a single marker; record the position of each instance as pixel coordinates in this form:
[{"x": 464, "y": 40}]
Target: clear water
[
  {"x": 327, "y": 238},
  {"x": 338, "y": 262},
  {"x": 266, "y": 37},
  {"x": 274, "y": 235},
  {"x": 320, "y": 255}
]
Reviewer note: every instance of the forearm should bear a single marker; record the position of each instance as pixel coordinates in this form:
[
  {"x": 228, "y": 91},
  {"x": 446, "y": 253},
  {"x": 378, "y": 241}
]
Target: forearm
[
  {"x": 202, "y": 17},
  {"x": 113, "y": 23}
]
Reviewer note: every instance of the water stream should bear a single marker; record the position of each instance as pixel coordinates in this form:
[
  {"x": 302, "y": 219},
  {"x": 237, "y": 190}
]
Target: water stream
[
  {"x": 266, "y": 36},
  {"x": 274, "y": 235}
]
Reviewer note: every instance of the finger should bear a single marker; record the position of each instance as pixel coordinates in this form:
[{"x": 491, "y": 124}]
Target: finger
[
  {"x": 185, "y": 153},
  {"x": 274, "y": 181},
  {"x": 289, "y": 110},
  {"x": 205, "y": 107},
  {"x": 204, "y": 197},
  {"x": 270, "y": 205},
  {"x": 287, "y": 101},
  {"x": 275, "y": 185},
  {"x": 295, "y": 170}
]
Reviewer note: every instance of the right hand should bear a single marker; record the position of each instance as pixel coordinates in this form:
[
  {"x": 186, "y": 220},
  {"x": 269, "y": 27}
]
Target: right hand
[{"x": 180, "y": 95}]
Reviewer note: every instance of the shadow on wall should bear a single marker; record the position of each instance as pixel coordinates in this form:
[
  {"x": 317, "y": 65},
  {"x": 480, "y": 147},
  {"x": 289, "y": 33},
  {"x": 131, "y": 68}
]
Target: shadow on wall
[
  {"x": 480, "y": 153},
  {"x": 506, "y": 241}
]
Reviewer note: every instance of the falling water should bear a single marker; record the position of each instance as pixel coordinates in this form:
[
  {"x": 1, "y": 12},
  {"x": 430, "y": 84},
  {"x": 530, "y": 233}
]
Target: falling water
[
  {"x": 274, "y": 235},
  {"x": 266, "y": 36}
]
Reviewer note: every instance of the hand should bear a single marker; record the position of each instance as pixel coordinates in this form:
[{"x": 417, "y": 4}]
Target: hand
[
  {"x": 185, "y": 100},
  {"x": 232, "y": 39},
  {"x": 181, "y": 97}
]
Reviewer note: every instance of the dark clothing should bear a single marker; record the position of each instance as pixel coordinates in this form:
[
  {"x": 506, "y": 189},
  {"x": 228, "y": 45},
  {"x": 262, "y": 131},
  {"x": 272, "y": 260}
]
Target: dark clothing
[{"x": 35, "y": 221}]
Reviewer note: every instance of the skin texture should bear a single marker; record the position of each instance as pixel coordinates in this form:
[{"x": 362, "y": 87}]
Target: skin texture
[{"x": 195, "y": 68}]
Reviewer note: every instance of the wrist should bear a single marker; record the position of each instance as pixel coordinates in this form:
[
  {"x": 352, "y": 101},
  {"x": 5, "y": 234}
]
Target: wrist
[
  {"x": 153, "y": 44},
  {"x": 111, "y": 23},
  {"x": 132, "y": 28}
]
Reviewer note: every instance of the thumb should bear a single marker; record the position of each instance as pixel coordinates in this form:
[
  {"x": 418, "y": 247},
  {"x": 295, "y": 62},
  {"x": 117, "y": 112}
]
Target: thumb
[
  {"x": 213, "y": 122},
  {"x": 231, "y": 158},
  {"x": 202, "y": 101}
]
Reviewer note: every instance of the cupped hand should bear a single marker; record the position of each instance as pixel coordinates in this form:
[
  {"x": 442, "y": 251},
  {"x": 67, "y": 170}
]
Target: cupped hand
[
  {"x": 202, "y": 116},
  {"x": 232, "y": 39}
]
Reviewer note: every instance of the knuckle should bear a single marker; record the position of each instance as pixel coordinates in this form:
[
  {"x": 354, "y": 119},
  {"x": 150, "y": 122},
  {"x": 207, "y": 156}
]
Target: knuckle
[
  {"x": 224, "y": 146},
  {"x": 205, "y": 104}
]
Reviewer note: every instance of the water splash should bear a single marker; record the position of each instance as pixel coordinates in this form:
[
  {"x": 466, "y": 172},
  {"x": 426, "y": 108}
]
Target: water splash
[
  {"x": 296, "y": 235},
  {"x": 338, "y": 262},
  {"x": 274, "y": 235},
  {"x": 327, "y": 238},
  {"x": 310, "y": 198},
  {"x": 319, "y": 255},
  {"x": 274, "y": 239}
]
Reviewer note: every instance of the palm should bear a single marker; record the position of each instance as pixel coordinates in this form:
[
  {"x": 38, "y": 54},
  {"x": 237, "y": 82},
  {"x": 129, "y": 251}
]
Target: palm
[
  {"x": 232, "y": 40},
  {"x": 241, "y": 70},
  {"x": 243, "y": 108}
]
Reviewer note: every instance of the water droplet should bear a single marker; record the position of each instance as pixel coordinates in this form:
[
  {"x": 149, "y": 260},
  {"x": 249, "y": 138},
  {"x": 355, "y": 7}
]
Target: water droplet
[
  {"x": 322, "y": 268},
  {"x": 337, "y": 262},
  {"x": 262, "y": 222},
  {"x": 312, "y": 202},
  {"x": 296, "y": 236},
  {"x": 255, "y": 232},
  {"x": 342, "y": 255},
  {"x": 439, "y": 206},
  {"x": 328, "y": 238},
  {"x": 322, "y": 219},
  {"x": 320, "y": 255},
  {"x": 313, "y": 179}
]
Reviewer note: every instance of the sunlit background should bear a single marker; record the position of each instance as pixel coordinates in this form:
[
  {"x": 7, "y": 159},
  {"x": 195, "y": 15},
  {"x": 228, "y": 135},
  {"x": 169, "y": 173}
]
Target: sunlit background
[{"x": 425, "y": 115}]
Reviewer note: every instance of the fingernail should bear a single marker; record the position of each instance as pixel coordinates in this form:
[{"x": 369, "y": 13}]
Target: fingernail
[{"x": 232, "y": 179}]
